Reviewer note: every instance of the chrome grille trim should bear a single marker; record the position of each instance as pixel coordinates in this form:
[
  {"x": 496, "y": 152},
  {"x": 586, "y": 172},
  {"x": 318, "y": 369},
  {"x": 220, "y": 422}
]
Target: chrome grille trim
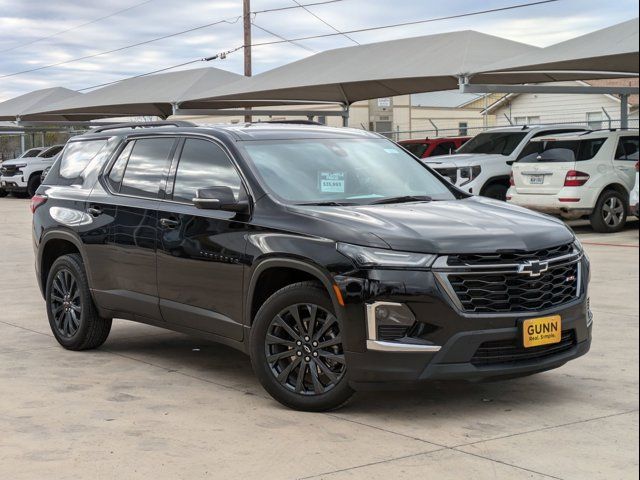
[{"x": 442, "y": 270}]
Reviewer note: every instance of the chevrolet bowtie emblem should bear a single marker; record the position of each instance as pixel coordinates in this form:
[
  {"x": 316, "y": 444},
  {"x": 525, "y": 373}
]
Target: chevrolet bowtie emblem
[{"x": 533, "y": 268}]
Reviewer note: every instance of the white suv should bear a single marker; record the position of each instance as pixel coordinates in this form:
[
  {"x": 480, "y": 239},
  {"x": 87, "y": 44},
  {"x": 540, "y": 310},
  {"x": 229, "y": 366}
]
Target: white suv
[
  {"x": 23, "y": 174},
  {"x": 482, "y": 166},
  {"x": 577, "y": 175}
]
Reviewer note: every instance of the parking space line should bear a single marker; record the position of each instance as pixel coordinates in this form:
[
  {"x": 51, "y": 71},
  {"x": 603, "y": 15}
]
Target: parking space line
[{"x": 622, "y": 245}]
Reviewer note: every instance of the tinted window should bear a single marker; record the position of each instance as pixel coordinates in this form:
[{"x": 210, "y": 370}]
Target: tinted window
[
  {"x": 562, "y": 151},
  {"x": 51, "y": 152},
  {"x": 117, "y": 170},
  {"x": 503, "y": 143},
  {"x": 203, "y": 164},
  {"x": 145, "y": 168},
  {"x": 417, "y": 149},
  {"x": 627, "y": 149},
  {"x": 78, "y": 155},
  {"x": 31, "y": 153},
  {"x": 444, "y": 148}
]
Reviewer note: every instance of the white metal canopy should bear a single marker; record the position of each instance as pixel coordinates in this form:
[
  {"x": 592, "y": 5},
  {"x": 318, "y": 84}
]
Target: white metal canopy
[
  {"x": 23, "y": 105},
  {"x": 146, "y": 95}
]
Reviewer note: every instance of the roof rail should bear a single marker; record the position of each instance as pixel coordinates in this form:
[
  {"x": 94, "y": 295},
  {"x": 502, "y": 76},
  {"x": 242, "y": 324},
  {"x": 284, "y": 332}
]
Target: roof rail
[
  {"x": 293, "y": 122},
  {"x": 132, "y": 125}
]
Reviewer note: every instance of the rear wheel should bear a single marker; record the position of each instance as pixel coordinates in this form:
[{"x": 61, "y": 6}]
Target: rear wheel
[
  {"x": 296, "y": 349},
  {"x": 33, "y": 184},
  {"x": 496, "y": 191},
  {"x": 73, "y": 317},
  {"x": 610, "y": 214}
]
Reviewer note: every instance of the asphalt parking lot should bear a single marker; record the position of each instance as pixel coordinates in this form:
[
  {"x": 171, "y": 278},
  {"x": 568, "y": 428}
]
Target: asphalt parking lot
[{"x": 156, "y": 404}]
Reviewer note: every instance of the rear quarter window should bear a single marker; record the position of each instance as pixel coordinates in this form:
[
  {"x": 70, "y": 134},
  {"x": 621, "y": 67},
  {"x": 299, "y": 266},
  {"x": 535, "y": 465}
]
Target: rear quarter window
[
  {"x": 562, "y": 151},
  {"x": 80, "y": 161}
]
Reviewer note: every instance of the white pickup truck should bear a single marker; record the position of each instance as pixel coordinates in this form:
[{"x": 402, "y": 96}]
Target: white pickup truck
[
  {"x": 22, "y": 175},
  {"x": 482, "y": 166}
]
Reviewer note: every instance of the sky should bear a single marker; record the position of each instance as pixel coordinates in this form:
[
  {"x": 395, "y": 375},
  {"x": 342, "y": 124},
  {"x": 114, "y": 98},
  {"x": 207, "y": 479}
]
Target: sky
[{"x": 30, "y": 38}]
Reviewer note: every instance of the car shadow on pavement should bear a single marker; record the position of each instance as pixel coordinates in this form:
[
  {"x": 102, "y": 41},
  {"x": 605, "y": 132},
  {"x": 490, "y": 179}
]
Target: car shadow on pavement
[{"x": 224, "y": 366}]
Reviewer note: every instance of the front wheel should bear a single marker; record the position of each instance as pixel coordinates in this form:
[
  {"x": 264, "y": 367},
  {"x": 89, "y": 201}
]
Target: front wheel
[
  {"x": 297, "y": 351},
  {"x": 73, "y": 317},
  {"x": 3, "y": 193},
  {"x": 610, "y": 214},
  {"x": 496, "y": 191}
]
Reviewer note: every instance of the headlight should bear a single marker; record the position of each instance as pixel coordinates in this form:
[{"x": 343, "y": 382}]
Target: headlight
[
  {"x": 468, "y": 174},
  {"x": 380, "y": 258},
  {"x": 578, "y": 246},
  {"x": 20, "y": 165}
]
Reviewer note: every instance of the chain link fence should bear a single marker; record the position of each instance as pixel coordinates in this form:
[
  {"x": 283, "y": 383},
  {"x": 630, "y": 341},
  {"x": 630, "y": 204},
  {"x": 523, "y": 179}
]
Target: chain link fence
[{"x": 470, "y": 131}]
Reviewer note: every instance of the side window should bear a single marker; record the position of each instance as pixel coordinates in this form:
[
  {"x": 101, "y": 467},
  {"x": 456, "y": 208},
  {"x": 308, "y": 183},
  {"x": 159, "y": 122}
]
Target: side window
[
  {"x": 77, "y": 157},
  {"x": 145, "y": 168},
  {"x": 627, "y": 149},
  {"x": 117, "y": 171},
  {"x": 443, "y": 149},
  {"x": 203, "y": 164}
]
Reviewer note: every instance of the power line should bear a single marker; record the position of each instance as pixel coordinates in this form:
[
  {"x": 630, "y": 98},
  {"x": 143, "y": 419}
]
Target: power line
[
  {"x": 223, "y": 55},
  {"x": 163, "y": 37},
  {"x": 126, "y": 47},
  {"x": 304, "y": 7},
  {"x": 76, "y": 27},
  {"x": 283, "y": 38},
  {"x": 405, "y": 24}
]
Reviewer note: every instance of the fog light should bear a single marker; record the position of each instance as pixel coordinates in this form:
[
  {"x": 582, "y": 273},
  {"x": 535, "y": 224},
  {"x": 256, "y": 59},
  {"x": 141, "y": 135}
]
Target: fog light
[{"x": 388, "y": 321}]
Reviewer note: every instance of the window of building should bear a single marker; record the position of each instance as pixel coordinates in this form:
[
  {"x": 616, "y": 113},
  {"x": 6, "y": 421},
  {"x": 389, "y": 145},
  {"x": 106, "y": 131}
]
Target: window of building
[
  {"x": 594, "y": 120},
  {"x": 463, "y": 129}
]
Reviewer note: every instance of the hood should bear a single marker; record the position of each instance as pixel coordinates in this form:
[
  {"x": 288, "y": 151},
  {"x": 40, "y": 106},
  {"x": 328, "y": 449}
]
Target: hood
[
  {"x": 463, "y": 159},
  {"x": 15, "y": 161},
  {"x": 472, "y": 225}
]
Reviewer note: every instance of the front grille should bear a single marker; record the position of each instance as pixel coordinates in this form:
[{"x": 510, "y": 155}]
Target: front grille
[
  {"x": 514, "y": 292},
  {"x": 509, "y": 257},
  {"x": 450, "y": 173},
  {"x": 9, "y": 171},
  {"x": 391, "y": 332},
  {"x": 512, "y": 351}
]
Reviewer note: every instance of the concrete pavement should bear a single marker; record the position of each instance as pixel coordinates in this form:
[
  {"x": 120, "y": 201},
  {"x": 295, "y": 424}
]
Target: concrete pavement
[{"x": 157, "y": 404}]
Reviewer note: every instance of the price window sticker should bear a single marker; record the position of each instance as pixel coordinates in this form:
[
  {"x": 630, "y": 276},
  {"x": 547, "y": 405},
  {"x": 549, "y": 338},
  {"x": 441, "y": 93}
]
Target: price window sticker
[{"x": 332, "y": 182}]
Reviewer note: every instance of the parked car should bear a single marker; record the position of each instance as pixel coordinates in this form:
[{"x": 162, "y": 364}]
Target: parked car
[
  {"x": 43, "y": 175},
  {"x": 576, "y": 175},
  {"x": 334, "y": 258},
  {"x": 633, "y": 197},
  {"x": 433, "y": 147},
  {"x": 22, "y": 175},
  {"x": 32, "y": 152},
  {"x": 482, "y": 166}
]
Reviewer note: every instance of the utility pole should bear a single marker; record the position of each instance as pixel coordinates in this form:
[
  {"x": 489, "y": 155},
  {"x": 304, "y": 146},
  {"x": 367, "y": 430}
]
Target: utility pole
[{"x": 246, "y": 18}]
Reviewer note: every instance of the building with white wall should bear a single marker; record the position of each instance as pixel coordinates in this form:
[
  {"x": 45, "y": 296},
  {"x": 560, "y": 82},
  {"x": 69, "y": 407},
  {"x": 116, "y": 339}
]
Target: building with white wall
[{"x": 594, "y": 110}]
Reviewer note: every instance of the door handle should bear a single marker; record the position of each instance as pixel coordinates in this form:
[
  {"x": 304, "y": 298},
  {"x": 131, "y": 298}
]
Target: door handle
[
  {"x": 94, "y": 211},
  {"x": 169, "y": 223}
]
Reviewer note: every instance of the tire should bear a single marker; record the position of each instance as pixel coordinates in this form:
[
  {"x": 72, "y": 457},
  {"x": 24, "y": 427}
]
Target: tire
[
  {"x": 3, "y": 193},
  {"x": 73, "y": 318},
  {"x": 33, "y": 184},
  {"x": 496, "y": 191},
  {"x": 312, "y": 378},
  {"x": 610, "y": 213}
]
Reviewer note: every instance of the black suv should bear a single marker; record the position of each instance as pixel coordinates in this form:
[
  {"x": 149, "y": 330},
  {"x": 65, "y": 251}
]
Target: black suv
[{"x": 333, "y": 257}]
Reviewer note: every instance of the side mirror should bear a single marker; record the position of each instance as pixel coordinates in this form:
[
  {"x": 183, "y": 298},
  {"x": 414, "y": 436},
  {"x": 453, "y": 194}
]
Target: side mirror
[{"x": 220, "y": 198}]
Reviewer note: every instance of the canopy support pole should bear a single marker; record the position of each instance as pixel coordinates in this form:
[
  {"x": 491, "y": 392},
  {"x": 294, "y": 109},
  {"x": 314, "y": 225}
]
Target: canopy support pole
[
  {"x": 345, "y": 115},
  {"x": 624, "y": 110}
]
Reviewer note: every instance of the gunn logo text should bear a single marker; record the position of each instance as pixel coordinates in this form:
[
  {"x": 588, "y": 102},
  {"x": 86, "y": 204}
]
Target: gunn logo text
[{"x": 542, "y": 331}]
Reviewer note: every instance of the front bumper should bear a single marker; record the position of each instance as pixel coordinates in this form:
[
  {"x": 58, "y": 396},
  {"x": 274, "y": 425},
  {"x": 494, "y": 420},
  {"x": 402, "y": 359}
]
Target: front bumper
[
  {"x": 456, "y": 337},
  {"x": 14, "y": 183}
]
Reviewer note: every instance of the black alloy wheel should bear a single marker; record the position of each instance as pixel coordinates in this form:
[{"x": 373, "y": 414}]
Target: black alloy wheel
[
  {"x": 66, "y": 303},
  {"x": 304, "y": 351},
  {"x": 298, "y": 350}
]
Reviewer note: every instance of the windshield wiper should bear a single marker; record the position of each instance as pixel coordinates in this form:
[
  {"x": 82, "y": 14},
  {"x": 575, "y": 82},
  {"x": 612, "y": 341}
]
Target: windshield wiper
[
  {"x": 403, "y": 199},
  {"x": 326, "y": 204}
]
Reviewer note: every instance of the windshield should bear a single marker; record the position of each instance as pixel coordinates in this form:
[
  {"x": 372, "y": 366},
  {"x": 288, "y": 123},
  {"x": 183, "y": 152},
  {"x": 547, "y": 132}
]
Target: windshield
[
  {"x": 342, "y": 171},
  {"x": 417, "y": 149},
  {"x": 561, "y": 151},
  {"x": 51, "y": 151},
  {"x": 502, "y": 143},
  {"x": 31, "y": 153}
]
